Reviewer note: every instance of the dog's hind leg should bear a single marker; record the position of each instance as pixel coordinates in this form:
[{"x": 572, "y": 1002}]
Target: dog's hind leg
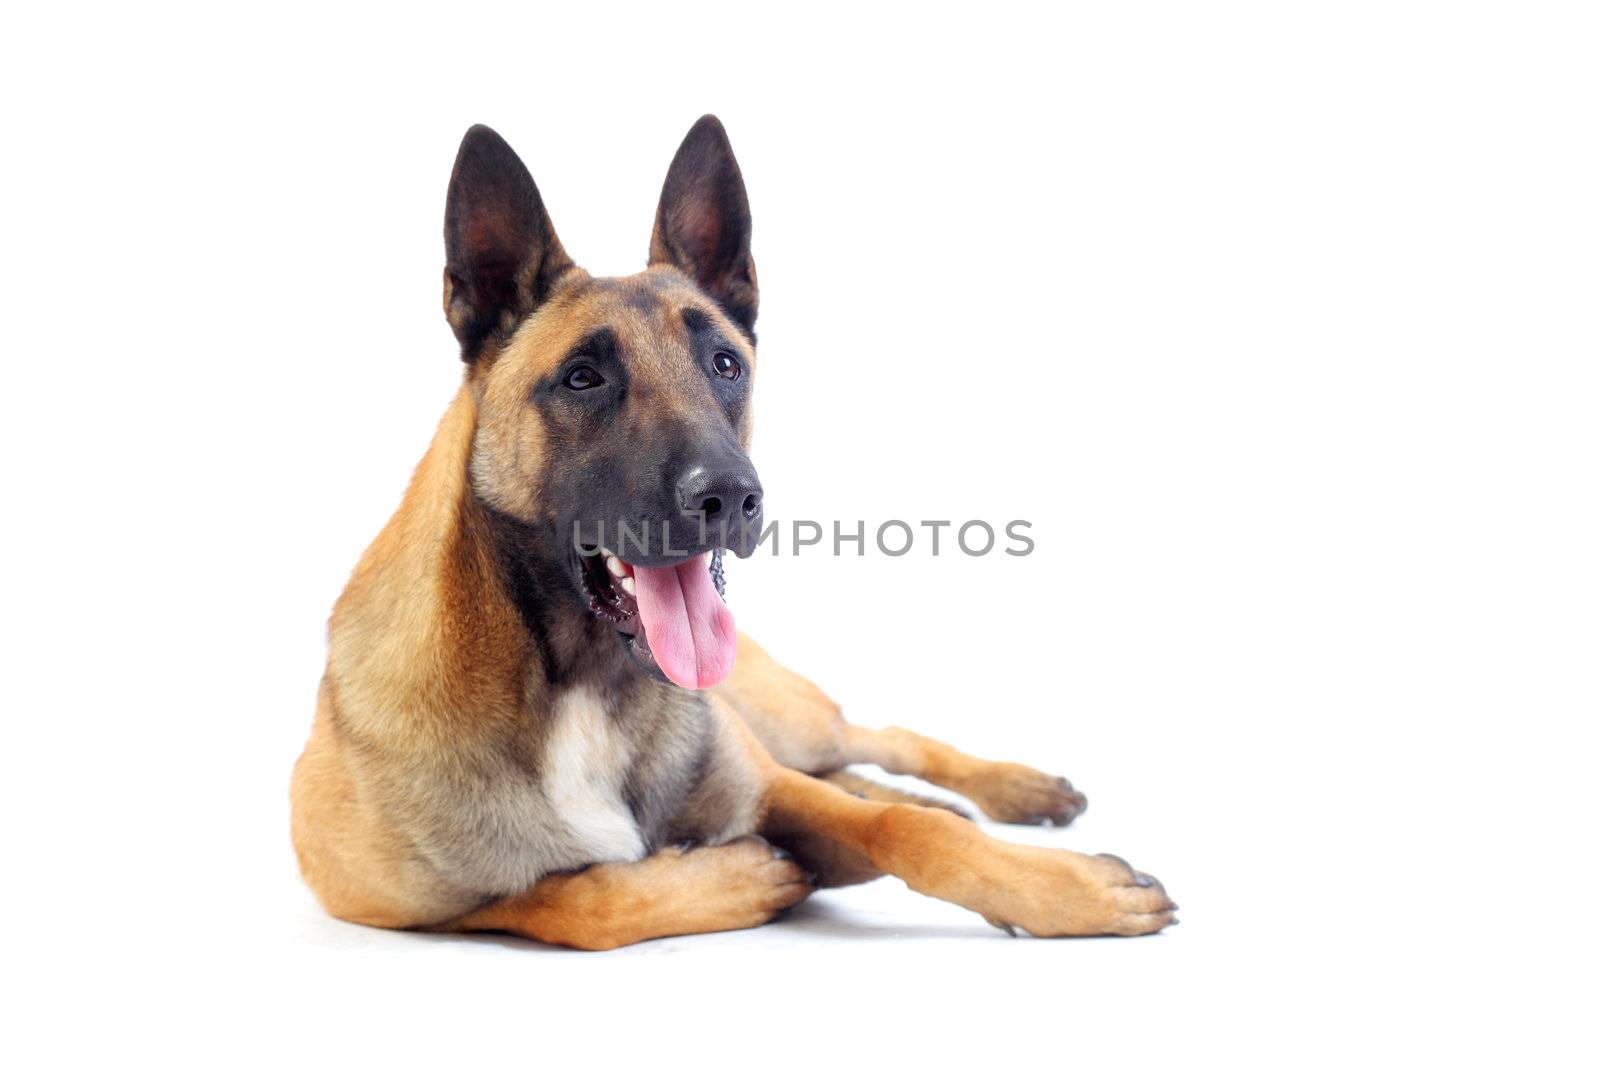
[
  {"x": 803, "y": 729},
  {"x": 744, "y": 883}
]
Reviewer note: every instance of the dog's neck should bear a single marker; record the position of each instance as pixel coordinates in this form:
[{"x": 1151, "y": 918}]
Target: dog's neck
[
  {"x": 533, "y": 570},
  {"x": 472, "y": 586}
]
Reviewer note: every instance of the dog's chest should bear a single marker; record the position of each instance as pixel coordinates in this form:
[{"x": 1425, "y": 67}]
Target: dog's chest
[
  {"x": 599, "y": 778},
  {"x": 583, "y": 776}
]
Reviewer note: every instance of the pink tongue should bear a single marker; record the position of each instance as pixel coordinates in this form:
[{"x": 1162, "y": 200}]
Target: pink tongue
[{"x": 689, "y": 628}]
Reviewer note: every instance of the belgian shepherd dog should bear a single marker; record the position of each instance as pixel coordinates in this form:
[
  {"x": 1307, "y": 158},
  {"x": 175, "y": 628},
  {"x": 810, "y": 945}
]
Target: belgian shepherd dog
[{"x": 538, "y": 716}]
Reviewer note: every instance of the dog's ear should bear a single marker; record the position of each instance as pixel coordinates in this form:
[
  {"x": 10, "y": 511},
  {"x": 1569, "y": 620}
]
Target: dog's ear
[
  {"x": 703, "y": 223},
  {"x": 502, "y": 255}
]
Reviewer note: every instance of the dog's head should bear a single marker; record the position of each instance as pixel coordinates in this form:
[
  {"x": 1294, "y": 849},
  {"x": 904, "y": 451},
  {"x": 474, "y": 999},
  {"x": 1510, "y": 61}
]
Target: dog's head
[{"x": 614, "y": 413}]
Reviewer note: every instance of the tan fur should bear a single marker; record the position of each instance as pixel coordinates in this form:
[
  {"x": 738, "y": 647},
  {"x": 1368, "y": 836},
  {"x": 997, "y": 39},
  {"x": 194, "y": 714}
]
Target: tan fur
[
  {"x": 427, "y": 691},
  {"x": 1046, "y": 892},
  {"x": 722, "y": 887},
  {"x": 427, "y": 669},
  {"x": 466, "y": 772},
  {"x": 803, "y": 729}
]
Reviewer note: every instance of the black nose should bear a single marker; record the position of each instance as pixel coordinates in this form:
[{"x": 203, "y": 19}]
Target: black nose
[{"x": 723, "y": 491}]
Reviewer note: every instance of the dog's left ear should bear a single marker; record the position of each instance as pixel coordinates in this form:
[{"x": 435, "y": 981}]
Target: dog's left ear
[
  {"x": 502, "y": 255},
  {"x": 703, "y": 223}
]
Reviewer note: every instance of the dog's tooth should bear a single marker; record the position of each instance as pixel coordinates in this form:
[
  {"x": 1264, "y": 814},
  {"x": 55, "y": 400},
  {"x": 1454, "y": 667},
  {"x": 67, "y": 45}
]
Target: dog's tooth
[
  {"x": 628, "y": 585},
  {"x": 616, "y": 566}
]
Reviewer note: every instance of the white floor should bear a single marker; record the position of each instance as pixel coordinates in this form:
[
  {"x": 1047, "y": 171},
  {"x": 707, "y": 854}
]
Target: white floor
[{"x": 1260, "y": 970}]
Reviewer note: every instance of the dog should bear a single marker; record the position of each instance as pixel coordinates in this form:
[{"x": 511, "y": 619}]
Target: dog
[{"x": 538, "y": 717}]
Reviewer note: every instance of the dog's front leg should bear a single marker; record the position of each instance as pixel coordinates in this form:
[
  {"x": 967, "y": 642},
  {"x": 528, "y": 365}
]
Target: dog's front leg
[
  {"x": 744, "y": 883},
  {"x": 801, "y": 727},
  {"x": 1047, "y": 892},
  {"x": 1007, "y": 792}
]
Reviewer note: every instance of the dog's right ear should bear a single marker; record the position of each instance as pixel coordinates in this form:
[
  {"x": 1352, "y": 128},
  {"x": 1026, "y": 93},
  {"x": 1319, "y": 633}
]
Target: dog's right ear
[{"x": 502, "y": 256}]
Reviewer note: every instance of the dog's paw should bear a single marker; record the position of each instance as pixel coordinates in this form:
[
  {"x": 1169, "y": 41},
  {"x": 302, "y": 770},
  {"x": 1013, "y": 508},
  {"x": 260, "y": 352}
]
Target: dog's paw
[
  {"x": 1060, "y": 894},
  {"x": 1011, "y": 792},
  {"x": 746, "y": 882}
]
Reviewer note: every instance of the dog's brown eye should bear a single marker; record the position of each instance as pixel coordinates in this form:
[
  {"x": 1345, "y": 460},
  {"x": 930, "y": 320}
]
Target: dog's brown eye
[
  {"x": 583, "y": 378},
  {"x": 726, "y": 366}
]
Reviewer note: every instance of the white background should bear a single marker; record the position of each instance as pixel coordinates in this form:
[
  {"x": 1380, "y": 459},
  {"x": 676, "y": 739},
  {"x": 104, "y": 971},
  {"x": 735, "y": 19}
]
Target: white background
[{"x": 1277, "y": 321}]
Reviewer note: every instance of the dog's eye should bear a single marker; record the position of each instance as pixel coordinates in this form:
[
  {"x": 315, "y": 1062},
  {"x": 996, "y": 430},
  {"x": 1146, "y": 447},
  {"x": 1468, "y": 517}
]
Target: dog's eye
[
  {"x": 726, "y": 366},
  {"x": 583, "y": 378}
]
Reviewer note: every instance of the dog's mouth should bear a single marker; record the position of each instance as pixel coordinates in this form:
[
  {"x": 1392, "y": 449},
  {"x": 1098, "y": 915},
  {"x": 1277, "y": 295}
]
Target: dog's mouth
[{"x": 671, "y": 617}]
